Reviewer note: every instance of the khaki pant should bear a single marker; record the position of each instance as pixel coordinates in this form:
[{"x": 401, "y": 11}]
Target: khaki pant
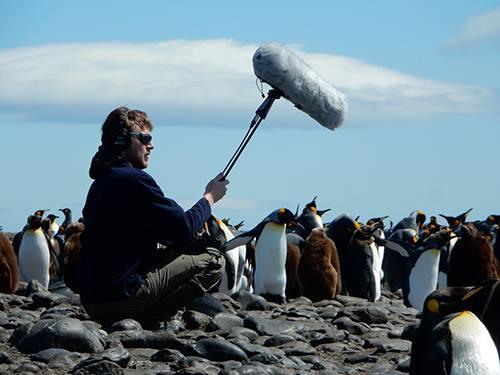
[{"x": 167, "y": 288}]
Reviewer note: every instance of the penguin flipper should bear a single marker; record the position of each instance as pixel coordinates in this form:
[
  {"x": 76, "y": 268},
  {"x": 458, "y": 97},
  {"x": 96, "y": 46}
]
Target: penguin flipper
[
  {"x": 230, "y": 271},
  {"x": 402, "y": 248},
  {"x": 243, "y": 238}
]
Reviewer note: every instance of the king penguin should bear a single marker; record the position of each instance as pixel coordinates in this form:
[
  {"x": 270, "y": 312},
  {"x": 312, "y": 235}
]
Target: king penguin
[
  {"x": 363, "y": 264},
  {"x": 461, "y": 345},
  {"x": 455, "y": 222},
  {"x": 270, "y": 253},
  {"x": 483, "y": 300},
  {"x": 235, "y": 258},
  {"x": 423, "y": 269},
  {"x": 34, "y": 253},
  {"x": 310, "y": 217},
  {"x": 340, "y": 231}
]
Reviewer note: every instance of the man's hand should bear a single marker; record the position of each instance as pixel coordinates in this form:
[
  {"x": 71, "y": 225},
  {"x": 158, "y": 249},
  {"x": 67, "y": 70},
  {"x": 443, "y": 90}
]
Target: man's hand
[{"x": 216, "y": 189}]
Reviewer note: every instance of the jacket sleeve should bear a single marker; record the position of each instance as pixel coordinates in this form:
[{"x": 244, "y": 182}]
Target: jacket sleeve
[{"x": 168, "y": 219}]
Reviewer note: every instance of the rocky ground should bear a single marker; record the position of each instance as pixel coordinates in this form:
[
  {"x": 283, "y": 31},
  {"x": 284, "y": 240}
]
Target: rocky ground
[{"x": 50, "y": 333}]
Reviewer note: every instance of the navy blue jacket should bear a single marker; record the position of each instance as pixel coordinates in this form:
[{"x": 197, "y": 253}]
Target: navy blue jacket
[{"x": 125, "y": 216}]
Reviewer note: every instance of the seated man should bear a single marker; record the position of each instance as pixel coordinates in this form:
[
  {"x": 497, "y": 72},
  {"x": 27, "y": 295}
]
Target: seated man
[{"x": 121, "y": 272}]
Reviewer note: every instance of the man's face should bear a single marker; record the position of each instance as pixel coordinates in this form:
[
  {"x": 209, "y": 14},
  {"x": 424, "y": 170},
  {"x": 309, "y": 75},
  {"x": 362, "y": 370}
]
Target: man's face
[{"x": 138, "y": 152}]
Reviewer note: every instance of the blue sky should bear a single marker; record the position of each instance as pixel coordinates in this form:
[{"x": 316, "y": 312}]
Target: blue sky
[{"x": 421, "y": 80}]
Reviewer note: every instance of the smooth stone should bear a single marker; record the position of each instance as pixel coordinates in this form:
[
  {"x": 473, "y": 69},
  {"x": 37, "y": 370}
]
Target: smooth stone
[
  {"x": 279, "y": 339},
  {"x": 349, "y": 300},
  {"x": 369, "y": 314},
  {"x": 13, "y": 322},
  {"x": 5, "y": 358},
  {"x": 270, "y": 327},
  {"x": 335, "y": 335},
  {"x": 103, "y": 366},
  {"x": 359, "y": 358},
  {"x": 28, "y": 367},
  {"x": 250, "y": 301},
  {"x": 239, "y": 332},
  {"x": 380, "y": 368},
  {"x": 149, "y": 339},
  {"x": 327, "y": 303},
  {"x": 404, "y": 364},
  {"x": 224, "y": 321},
  {"x": 332, "y": 348},
  {"x": 253, "y": 349},
  {"x": 389, "y": 345},
  {"x": 47, "y": 299},
  {"x": 194, "y": 319},
  {"x": 219, "y": 350},
  {"x": 66, "y": 333},
  {"x": 350, "y": 326},
  {"x": 175, "y": 326},
  {"x": 167, "y": 355},
  {"x": 228, "y": 301},
  {"x": 329, "y": 312},
  {"x": 46, "y": 354},
  {"x": 117, "y": 354},
  {"x": 125, "y": 325},
  {"x": 206, "y": 304},
  {"x": 267, "y": 358},
  {"x": 395, "y": 333},
  {"x": 297, "y": 348}
]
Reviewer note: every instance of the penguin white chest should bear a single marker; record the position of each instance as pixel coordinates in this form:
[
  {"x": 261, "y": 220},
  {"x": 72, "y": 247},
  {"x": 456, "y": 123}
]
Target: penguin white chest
[
  {"x": 270, "y": 259},
  {"x": 34, "y": 257},
  {"x": 424, "y": 277},
  {"x": 319, "y": 221},
  {"x": 376, "y": 269},
  {"x": 473, "y": 350}
]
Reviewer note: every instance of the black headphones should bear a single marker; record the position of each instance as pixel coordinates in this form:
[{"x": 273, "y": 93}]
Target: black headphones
[{"x": 122, "y": 139}]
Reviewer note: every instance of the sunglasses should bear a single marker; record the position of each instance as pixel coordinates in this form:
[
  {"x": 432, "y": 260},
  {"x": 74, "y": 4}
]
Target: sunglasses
[{"x": 144, "y": 138}]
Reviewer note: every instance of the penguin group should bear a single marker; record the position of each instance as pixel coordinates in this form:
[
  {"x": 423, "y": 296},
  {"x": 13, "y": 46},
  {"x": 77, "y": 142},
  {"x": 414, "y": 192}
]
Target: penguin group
[
  {"x": 38, "y": 252},
  {"x": 449, "y": 271}
]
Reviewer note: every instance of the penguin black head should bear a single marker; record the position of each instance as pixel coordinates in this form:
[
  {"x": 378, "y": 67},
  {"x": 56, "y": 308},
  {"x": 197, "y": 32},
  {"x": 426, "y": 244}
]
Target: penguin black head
[
  {"x": 454, "y": 221},
  {"x": 40, "y": 212},
  {"x": 34, "y": 221},
  {"x": 311, "y": 205},
  {"x": 374, "y": 220},
  {"x": 420, "y": 219},
  {"x": 46, "y": 225},
  {"x": 439, "y": 239},
  {"x": 283, "y": 216},
  {"x": 445, "y": 301},
  {"x": 52, "y": 217},
  {"x": 495, "y": 219},
  {"x": 65, "y": 210}
]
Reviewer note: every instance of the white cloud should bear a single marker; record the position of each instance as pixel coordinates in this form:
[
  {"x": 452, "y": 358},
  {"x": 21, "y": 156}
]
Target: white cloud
[
  {"x": 477, "y": 29},
  {"x": 198, "y": 81}
]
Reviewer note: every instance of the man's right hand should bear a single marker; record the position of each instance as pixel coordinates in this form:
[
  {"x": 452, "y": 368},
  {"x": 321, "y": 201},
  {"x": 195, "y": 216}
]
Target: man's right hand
[{"x": 216, "y": 189}]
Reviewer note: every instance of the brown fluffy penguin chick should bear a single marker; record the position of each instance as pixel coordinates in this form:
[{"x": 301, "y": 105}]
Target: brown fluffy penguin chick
[
  {"x": 71, "y": 255},
  {"x": 472, "y": 260},
  {"x": 292, "y": 266},
  {"x": 9, "y": 270},
  {"x": 319, "y": 268}
]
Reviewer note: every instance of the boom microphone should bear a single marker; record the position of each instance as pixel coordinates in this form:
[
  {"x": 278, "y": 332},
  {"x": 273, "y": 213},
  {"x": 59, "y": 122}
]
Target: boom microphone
[
  {"x": 290, "y": 77},
  {"x": 285, "y": 71}
]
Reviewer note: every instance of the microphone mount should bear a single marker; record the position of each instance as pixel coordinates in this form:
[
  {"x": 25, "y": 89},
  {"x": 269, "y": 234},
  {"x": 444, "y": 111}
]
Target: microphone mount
[{"x": 260, "y": 114}]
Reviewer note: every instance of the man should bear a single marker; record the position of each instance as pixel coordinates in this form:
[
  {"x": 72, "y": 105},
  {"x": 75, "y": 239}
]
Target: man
[{"x": 122, "y": 273}]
